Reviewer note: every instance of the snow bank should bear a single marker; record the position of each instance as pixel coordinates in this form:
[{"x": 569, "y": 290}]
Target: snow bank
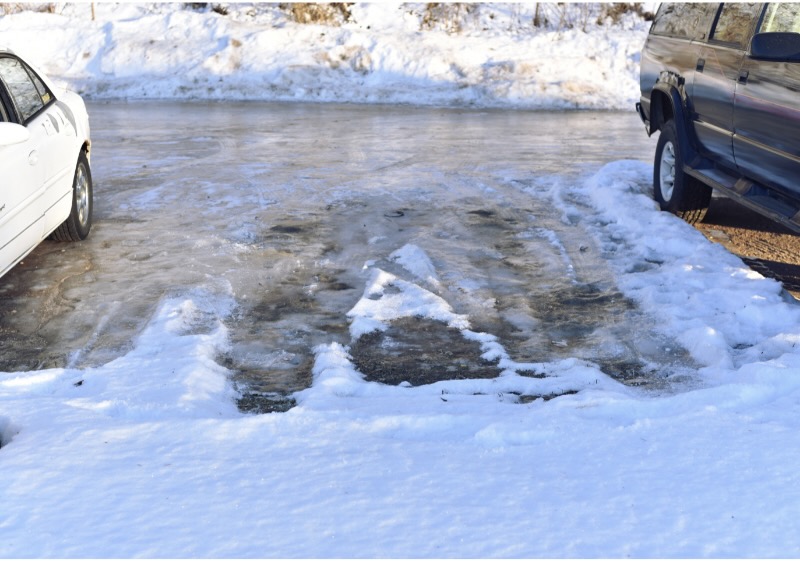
[
  {"x": 724, "y": 313},
  {"x": 382, "y": 55}
]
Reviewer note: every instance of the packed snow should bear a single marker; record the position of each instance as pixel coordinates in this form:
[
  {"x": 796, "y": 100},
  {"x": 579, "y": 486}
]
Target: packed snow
[{"x": 148, "y": 456}]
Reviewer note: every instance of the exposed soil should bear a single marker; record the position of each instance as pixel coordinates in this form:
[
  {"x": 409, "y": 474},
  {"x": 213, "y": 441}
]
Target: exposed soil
[{"x": 764, "y": 245}]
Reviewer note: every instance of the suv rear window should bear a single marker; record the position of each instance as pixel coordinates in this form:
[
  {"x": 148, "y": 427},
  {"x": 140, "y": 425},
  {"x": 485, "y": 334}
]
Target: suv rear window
[
  {"x": 683, "y": 20},
  {"x": 735, "y": 22}
]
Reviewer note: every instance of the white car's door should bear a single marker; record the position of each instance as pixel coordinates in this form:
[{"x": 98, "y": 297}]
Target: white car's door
[
  {"x": 26, "y": 169},
  {"x": 21, "y": 190}
]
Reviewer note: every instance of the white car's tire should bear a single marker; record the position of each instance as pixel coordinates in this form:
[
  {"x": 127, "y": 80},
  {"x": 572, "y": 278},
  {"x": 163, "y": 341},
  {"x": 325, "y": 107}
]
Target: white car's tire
[{"x": 77, "y": 226}]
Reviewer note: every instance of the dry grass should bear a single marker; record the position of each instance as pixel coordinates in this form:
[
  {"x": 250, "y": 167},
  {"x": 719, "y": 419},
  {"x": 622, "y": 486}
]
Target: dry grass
[
  {"x": 447, "y": 16},
  {"x": 617, "y": 10},
  {"x": 335, "y": 13},
  {"x": 17, "y": 7}
]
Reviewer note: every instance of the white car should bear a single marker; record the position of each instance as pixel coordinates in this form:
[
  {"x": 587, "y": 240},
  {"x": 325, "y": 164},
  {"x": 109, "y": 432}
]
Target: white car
[{"x": 45, "y": 179}]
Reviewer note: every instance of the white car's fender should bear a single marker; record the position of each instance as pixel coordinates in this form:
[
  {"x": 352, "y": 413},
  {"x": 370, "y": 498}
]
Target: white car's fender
[
  {"x": 71, "y": 103},
  {"x": 74, "y": 109}
]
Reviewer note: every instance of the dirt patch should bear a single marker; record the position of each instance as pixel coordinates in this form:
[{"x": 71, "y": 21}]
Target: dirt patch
[
  {"x": 21, "y": 352},
  {"x": 629, "y": 372},
  {"x": 788, "y": 274},
  {"x": 273, "y": 339},
  {"x": 482, "y": 213},
  {"x": 573, "y": 313},
  {"x": 289, "y": 229},
  {"x": 281, "y": 305},
  {"x": 259, "y": 403},
  {"x": 419, "y": 351},
  {"x": 764, "y": 245},
  {"x": 561, "y": 320},
  {"x": 524, "y": 398}
]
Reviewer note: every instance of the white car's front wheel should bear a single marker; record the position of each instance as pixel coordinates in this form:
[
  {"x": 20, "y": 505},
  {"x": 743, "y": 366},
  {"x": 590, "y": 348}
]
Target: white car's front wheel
[{"x": 76, "y": 227}]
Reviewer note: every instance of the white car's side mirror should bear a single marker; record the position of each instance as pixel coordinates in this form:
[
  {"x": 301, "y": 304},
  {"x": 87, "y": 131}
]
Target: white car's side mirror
[{"x": 12, "y": 133}]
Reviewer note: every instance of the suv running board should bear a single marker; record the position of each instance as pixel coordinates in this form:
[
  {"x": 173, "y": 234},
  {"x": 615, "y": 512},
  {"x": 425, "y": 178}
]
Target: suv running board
[{"x": 752, "y": 195}]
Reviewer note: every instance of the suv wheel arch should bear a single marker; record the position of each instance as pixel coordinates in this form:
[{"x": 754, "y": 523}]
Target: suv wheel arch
[{"x": 667, "y": 105}]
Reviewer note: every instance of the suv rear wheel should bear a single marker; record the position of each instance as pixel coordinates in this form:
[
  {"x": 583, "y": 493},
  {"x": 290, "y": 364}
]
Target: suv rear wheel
[{"x": 675, "y": 191}]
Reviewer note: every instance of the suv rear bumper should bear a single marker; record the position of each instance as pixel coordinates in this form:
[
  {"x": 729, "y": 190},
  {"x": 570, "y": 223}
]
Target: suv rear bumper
[{"x": 643, "y": 117}]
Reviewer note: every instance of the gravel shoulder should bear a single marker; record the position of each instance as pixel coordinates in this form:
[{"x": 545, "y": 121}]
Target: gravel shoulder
[{"x": 766, "y": 246}]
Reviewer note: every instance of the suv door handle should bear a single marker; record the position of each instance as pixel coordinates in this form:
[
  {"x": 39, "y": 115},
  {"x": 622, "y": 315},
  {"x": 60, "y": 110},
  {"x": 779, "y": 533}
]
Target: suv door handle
[
  {"x": 743, "y": 75},
  {"x": 701, "y": 63}
]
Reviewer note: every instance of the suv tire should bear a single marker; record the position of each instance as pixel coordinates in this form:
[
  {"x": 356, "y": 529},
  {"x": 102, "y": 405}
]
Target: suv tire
[{"x": 675, "y": 191}]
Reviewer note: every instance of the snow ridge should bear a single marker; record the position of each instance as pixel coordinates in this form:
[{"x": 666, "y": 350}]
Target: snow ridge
[{"x": 382, "y": 55}]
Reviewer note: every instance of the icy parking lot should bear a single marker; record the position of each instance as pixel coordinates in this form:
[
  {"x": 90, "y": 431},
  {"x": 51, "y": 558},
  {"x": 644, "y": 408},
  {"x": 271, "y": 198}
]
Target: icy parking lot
[
  {"x": 477, "y": 335},
  {"x": 292, "y": 209}
]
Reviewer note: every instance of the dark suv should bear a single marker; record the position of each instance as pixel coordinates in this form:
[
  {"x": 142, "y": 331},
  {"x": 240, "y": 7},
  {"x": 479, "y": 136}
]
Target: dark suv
[{"x": 722, "y": 84}]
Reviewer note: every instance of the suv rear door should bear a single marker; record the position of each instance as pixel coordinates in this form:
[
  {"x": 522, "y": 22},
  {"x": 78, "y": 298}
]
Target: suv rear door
[
  {"x": 716, "y": 75},
  {"x": 673, "y": 46},
  {"x": 767, "y": 110}
]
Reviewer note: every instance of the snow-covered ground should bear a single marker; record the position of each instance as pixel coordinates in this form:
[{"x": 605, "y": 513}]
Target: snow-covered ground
[{"x": 148, "y": 455}]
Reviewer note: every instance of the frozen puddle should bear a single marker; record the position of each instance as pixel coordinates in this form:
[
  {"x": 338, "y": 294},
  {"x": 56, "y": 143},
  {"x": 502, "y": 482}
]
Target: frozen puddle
[{"x": 474, "y": 292}]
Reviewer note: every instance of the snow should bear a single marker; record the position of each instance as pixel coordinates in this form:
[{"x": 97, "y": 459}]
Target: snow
[
  {"x": 148, "y": 456},
  {"x": 139, "y": 51}
]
